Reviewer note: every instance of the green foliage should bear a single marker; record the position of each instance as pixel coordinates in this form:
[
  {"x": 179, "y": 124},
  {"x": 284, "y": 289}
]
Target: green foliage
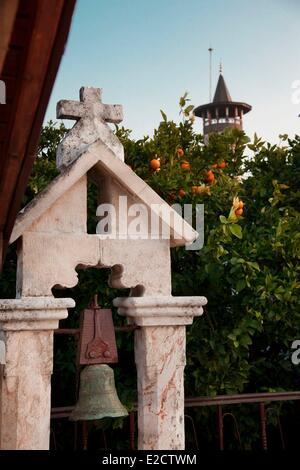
[
  {"x": 248, "y": 267},
  {"x": 44, "y": 169}
]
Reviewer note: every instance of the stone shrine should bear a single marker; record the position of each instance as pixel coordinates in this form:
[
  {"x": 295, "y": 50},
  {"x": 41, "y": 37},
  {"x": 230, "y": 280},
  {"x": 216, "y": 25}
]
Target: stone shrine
[{"x": 53, "y": 242}]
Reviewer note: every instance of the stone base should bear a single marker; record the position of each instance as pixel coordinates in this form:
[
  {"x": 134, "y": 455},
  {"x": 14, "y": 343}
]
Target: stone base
[
  {"x": 160, "y": 360},
  {"x": 26, "y": 339}
]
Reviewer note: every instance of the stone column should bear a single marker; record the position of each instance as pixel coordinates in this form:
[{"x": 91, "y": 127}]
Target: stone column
[
  {"x": 26, "y": 357},
  {"x": 160, "y": 359}
]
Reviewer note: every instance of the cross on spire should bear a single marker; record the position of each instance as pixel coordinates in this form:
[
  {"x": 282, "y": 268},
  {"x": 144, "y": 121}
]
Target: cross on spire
[{"x": 92, "y": 117}]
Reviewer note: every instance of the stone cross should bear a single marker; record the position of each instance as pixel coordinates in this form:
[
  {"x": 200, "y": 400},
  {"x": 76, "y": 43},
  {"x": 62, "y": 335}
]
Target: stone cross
[
  {"x": 92, "y": 117},
  {"x": 90, "y": 104}
]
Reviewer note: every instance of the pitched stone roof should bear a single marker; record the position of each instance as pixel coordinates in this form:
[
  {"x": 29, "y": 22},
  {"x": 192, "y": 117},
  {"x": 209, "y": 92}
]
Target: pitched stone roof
[{"x": 103, "y": 159}]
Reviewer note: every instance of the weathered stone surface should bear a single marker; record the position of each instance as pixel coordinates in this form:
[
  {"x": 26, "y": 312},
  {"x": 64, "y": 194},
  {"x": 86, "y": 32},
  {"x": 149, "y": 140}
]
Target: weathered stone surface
[
  {"x": 160, "y": 310},
  {"x": 92, "y": 117},
  {"x": 144, "y": 263},
  {"x": 132, "y": 261},
  {"x": 74, "y": 220},
  {"x": 58, "y": 187},
  {"x": 25, "y": 391},
  {"x": 46, "y": 260},
  {"x": 160, "y": 361},
  {"x": 26, "y": 329}
]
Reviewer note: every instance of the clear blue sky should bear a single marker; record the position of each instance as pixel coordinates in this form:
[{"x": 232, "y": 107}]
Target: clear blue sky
[{"x": 146, "y": 53}]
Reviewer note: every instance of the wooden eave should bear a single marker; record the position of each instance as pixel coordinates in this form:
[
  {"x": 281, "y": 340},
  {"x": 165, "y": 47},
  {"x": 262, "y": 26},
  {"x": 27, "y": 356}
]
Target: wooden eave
[{"x": 30, "y": 54}]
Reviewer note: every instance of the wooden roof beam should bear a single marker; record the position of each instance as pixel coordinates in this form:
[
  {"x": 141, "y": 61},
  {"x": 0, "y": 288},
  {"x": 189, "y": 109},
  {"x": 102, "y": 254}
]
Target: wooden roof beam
[{"x": 8, "y": 10}]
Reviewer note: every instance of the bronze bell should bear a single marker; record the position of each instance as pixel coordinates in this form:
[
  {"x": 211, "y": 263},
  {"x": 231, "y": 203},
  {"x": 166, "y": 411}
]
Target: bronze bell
[{"x": 97, "y": 395}]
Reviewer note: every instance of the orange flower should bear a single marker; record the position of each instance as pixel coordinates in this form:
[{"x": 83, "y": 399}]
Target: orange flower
[
  {"x": 237, "y": 208},
  {"x": 201, "y": 190}
]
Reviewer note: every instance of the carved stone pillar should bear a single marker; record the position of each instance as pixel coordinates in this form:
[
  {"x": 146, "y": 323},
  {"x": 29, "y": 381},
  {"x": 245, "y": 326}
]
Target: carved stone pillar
[
  {"x": 26, "y": 346},
  {"x": 160, "y": 358}
]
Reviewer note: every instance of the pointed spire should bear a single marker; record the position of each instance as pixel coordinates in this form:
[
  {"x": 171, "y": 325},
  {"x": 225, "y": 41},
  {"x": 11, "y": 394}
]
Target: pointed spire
[
  {"x": 221, "y": 67},
  {"x": 222, "y": 93}
]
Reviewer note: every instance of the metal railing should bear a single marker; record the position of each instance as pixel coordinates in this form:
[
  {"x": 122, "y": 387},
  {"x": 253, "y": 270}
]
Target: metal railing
[{"x": 261, "y": 399}]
